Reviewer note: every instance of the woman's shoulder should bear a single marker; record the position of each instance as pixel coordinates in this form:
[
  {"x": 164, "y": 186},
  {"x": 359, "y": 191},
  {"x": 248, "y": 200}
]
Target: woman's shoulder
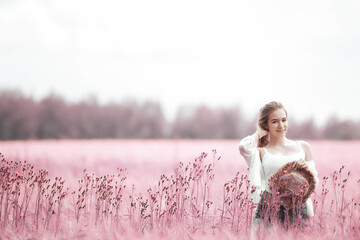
[
  {"x": 307, "y": 149},
  {"x": 304, "y": 144}
]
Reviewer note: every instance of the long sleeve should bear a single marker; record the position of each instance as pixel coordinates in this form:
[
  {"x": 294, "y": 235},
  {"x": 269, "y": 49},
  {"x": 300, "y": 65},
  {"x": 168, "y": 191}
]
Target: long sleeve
[
  {"x": 251, "y": 155},
  {"x": 309, "y": 205},
  {"x": 247, "y": 148},
  {"x": 311, "y": 166}
]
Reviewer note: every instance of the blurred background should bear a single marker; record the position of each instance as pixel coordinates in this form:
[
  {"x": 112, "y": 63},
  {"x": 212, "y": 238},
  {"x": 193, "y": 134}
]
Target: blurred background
[{"x": 177, "y": 69}]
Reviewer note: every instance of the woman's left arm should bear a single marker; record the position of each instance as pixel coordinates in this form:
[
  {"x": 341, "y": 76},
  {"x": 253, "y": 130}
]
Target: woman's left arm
[
  {"x": 309, "y": 159},
  {"x": 311, "y": 165},
  {"x": 307, "y": 149}
]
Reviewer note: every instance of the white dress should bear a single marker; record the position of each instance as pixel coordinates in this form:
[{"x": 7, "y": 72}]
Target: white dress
[{"x": 260, "y": 172}]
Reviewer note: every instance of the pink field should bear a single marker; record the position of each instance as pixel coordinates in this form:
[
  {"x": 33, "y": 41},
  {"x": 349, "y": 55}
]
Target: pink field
[{"x": 168, "y": 210}]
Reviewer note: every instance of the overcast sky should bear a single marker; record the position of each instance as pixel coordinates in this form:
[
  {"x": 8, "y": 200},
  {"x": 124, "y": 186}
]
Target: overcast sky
[{"x": 305, "y": 54}]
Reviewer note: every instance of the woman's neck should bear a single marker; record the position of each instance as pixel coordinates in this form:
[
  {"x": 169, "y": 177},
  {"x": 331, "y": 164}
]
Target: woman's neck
[{"x": 277, "y": 141}]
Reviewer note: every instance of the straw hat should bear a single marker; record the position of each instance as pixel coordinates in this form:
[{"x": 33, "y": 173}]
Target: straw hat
[{"x": 292, "y": 184}]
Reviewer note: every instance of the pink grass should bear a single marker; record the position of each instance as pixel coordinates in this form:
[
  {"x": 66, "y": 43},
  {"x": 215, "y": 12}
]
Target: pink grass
[{"x": 162, "y": 189}]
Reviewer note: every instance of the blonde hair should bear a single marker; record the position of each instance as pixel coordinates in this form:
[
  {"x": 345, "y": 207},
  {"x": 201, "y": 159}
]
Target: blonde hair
[{"x": 264, "y": 119}]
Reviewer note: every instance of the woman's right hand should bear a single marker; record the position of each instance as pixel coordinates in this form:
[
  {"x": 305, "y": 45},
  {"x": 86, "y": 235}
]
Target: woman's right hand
[{"x": 261, "y": 132}]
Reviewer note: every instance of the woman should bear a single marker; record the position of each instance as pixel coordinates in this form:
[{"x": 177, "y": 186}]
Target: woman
[{"x": 267, "y": 151}]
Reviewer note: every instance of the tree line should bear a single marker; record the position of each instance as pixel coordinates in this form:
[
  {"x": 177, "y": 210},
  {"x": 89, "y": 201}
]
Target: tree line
[{"x": 22, "y": 117}]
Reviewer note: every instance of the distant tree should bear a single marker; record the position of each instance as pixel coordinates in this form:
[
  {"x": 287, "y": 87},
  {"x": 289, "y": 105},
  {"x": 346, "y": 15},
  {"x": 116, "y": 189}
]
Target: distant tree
[
  {"x": 195, "y": 122},
  {"x": 17, "y": 116},
  {"x": 205, "y": 122},
  {"x": 232, "y": 123},
  {"x": 83, "y": 120},
  {"x": 151, "y": 122},
  {"x": 344, "y": 130},
  {"x": 132, "y": 120},
  {"x": 53, "y": 118},
  {"x": 304, "y": 130}
]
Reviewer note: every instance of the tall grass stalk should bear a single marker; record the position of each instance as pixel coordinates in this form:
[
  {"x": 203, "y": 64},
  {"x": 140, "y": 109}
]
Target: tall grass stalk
[{"x": 36, "y": 205}]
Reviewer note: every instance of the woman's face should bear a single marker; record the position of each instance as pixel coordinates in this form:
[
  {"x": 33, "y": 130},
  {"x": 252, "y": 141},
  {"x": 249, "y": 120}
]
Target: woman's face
[{"x": 277, "y": 122}]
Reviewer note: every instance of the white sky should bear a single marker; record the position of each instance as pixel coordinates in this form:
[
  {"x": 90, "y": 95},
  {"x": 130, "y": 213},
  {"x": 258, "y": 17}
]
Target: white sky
[{"x": 305, "y": 54}]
